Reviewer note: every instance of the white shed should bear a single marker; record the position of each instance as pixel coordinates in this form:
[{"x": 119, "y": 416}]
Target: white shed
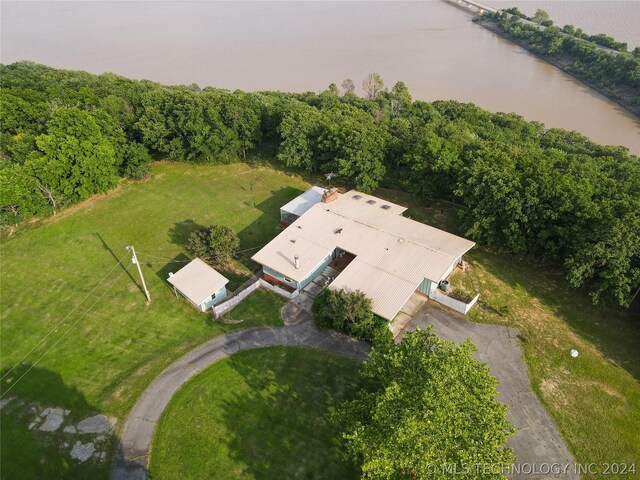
[
  {"x": 290, "y": 212},
  {"x": 199, "y": 283}
]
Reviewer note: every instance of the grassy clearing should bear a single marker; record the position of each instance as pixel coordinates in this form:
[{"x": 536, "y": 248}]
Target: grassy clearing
[
  {"x": 260, "y": 414},
  {"x": 119, "y": 344},
  {"x": 261, "y": 306},
  {"x": 595, "y": 398}
]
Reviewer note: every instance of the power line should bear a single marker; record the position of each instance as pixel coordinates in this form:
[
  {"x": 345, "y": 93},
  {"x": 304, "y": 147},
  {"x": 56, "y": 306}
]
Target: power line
[
  {"x": 64, "y": 334},
  {"x": 63, "y": 320}
]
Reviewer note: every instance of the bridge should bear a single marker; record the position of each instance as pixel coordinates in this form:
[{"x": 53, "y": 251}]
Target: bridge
[{"x": 480, "y": 7}]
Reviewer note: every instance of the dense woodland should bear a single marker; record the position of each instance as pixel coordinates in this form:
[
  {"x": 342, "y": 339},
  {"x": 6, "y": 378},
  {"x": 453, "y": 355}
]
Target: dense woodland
[
  {"x": 617, "y": 75},
  {"x": 523, "y": 188}
]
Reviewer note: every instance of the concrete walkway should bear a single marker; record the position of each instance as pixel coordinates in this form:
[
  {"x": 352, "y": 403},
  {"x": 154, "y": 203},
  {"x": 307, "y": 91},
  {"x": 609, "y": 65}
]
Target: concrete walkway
[
  {"x": 537, "y": 442},
  {"x": 133, "y": 452}
]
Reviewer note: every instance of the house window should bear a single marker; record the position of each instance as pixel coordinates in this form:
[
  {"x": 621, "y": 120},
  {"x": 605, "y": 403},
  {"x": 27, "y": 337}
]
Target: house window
[
  {"x": 287, "y": 279},
  {"x": 213, "y": 297}
]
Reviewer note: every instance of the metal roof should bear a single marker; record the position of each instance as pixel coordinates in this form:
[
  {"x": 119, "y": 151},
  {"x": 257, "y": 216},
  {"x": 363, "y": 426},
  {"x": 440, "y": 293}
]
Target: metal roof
[
  {"x": 393, "y": 253},
  {"x": 197, "y": 281},
  {"x": 304, "y": 201}
]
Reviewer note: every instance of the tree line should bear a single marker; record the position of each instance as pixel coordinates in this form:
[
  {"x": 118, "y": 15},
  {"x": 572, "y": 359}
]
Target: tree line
[
  {"x": 66, "y": 135},
  {"x": 617, "y": 75}
]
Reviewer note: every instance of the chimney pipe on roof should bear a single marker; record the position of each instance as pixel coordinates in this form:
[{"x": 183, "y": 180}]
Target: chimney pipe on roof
[
  {"x": 330, "y": 195},
  {"x": 297, "y": 261}
]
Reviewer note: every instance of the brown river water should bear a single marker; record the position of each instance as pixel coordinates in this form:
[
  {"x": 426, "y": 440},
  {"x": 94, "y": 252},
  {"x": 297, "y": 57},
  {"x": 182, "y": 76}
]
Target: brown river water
[{"x": 431, "y": 45}]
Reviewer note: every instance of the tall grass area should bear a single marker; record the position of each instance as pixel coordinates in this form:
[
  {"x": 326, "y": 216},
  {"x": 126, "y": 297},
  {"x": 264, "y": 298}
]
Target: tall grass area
[
  {"x": 594, "y": 398},
  {"x": 102, "y": 355}
]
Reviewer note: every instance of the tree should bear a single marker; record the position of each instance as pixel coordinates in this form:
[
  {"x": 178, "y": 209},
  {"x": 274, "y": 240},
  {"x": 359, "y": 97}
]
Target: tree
[
  {"x": 353, "y": 145},
  {"x": 348, "y": 86},
  {"x": 542, "y": 17},
  {"x": 400, "y": 98},
  {"x": 350, "y": 312},
  {"x": 74, "y": 159},
  {"x": 215, "y": 244},
  {"x": 136, "y": 162},
  {"x": 333, "y": 89},
  {"x": 19, "y": 198},
  {"x": 435, "y": 165},
  {"x": 299, "y": 130},
  {"x": 372, "y": 85},
  {"x": 427, "y": 408},
  {"x": 186, "y": 126}
]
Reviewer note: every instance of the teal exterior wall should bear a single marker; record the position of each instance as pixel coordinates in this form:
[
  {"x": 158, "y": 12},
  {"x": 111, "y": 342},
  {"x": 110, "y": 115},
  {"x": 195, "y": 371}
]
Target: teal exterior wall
[
  {"x": 309, "y": 278},
  {"x": 279, "y": 276},
  {"x": 305, "y": 281},
  {"x": 220, "y": 295},
  {"x": 425, "y": 287}
]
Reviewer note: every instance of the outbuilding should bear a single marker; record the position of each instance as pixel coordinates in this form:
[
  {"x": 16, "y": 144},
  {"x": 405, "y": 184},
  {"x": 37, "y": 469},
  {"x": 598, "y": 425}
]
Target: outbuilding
[
  {"x": 293, "y": 210},
  {"x": 199, "y": 283}
]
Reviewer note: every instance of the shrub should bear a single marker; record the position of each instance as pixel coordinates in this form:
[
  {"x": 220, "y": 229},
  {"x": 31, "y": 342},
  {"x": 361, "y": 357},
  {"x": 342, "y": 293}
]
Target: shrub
[
  {"x": 350, "y": 313},
  {"x": 136, "y": 162},
  {"x": 215, "y": 244}
]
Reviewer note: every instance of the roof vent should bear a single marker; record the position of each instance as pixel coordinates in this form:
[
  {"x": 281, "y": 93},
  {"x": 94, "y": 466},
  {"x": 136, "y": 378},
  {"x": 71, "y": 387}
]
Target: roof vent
[
  {"x": 293, "y": 240},
  {"x": 337, "y": 230},
  {"x": 385, "y": 207},
  {"x": 371, "y": 202},
  {"x": 357, "y": 197}
]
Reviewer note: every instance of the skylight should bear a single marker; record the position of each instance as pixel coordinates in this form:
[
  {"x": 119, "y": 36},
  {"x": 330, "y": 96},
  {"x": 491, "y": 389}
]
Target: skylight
[{"x": 371, "y": 202}]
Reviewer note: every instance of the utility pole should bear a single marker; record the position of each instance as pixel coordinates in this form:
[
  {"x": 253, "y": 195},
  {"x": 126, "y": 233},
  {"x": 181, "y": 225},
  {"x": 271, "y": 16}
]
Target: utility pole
[{"x": 134, "y": 260}]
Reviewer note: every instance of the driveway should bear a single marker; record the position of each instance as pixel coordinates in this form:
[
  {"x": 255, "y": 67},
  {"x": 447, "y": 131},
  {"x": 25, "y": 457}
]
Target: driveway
[
  {"x": 133, "y": 452},
  {"x": 537, "y": 442}
]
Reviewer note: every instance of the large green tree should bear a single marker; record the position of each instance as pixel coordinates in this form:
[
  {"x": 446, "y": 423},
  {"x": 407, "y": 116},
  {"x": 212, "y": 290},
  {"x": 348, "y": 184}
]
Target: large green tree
[
  {"x": 184, "y": 125},
  {"x": 74, "y": 159},
  {"x": 428, "y": 411}
]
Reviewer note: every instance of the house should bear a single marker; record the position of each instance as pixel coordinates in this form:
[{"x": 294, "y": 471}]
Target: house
[
  {"x": 200, "y": 284},
  {"x": 382, "y": 253},
  {"x": 299, "y": 205}
]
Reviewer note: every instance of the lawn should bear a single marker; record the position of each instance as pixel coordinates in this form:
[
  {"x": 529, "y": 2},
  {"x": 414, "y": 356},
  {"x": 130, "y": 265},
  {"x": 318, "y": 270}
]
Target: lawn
[
  {"x": 594, "y": 398},
  {"x": 99, "y": 356},
  {"x": 260, "y": 414},
  {"x": 261, "y": 306}
]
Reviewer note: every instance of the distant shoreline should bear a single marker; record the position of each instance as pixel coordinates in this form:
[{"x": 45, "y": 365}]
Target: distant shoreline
[{"x": 558, "y": 63}]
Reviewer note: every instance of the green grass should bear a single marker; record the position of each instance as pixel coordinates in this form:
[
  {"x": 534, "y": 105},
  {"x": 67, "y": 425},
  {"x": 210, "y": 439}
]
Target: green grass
[
  {"x": 260, "y": 414},
  {"x": 116, "y": 344},
  {"x": 261, "y": 305},
  {"x": 595, "y": 398}
]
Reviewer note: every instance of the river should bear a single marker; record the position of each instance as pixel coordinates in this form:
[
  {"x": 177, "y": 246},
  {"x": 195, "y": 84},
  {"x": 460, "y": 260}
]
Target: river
[{"x": 432, "y": 46}]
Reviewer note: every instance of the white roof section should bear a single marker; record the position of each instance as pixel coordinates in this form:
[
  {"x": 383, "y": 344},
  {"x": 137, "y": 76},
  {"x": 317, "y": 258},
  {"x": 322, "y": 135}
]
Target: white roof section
[
  {"x": 304, "y": 201},
  {"x": 393, "y": 253},
  {"x": 197, "y": 281},
  {"x": 387, "y": 292}
]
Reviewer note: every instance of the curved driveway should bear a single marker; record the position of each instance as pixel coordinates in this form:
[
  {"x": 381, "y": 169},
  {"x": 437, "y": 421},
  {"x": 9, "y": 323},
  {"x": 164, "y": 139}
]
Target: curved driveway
[{"x": 133, "y": 452}]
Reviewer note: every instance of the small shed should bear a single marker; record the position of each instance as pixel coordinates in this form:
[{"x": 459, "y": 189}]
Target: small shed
[
  {"x": 299, "y": 205},
  {"x": 199, "y": 283}
]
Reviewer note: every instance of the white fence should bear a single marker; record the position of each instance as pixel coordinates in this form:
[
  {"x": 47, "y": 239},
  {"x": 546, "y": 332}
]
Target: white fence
[
  {"x": 227, "y": 305},
  {"x": 280, "y": 291},
  {"x": 452, "y": 303},
  {"x": 222, "y": 308}
]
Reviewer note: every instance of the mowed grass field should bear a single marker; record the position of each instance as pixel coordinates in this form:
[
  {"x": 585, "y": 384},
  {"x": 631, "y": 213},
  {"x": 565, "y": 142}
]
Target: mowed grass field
[
  {"x": 260, "y": 414},
  {"x": 101, "y": 355},
  {"x": 594, "y": 398}
]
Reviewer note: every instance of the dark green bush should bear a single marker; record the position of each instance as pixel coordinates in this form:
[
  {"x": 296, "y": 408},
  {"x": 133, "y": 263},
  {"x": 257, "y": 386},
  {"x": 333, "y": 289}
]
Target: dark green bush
[{"x": 350, "y": 313}]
